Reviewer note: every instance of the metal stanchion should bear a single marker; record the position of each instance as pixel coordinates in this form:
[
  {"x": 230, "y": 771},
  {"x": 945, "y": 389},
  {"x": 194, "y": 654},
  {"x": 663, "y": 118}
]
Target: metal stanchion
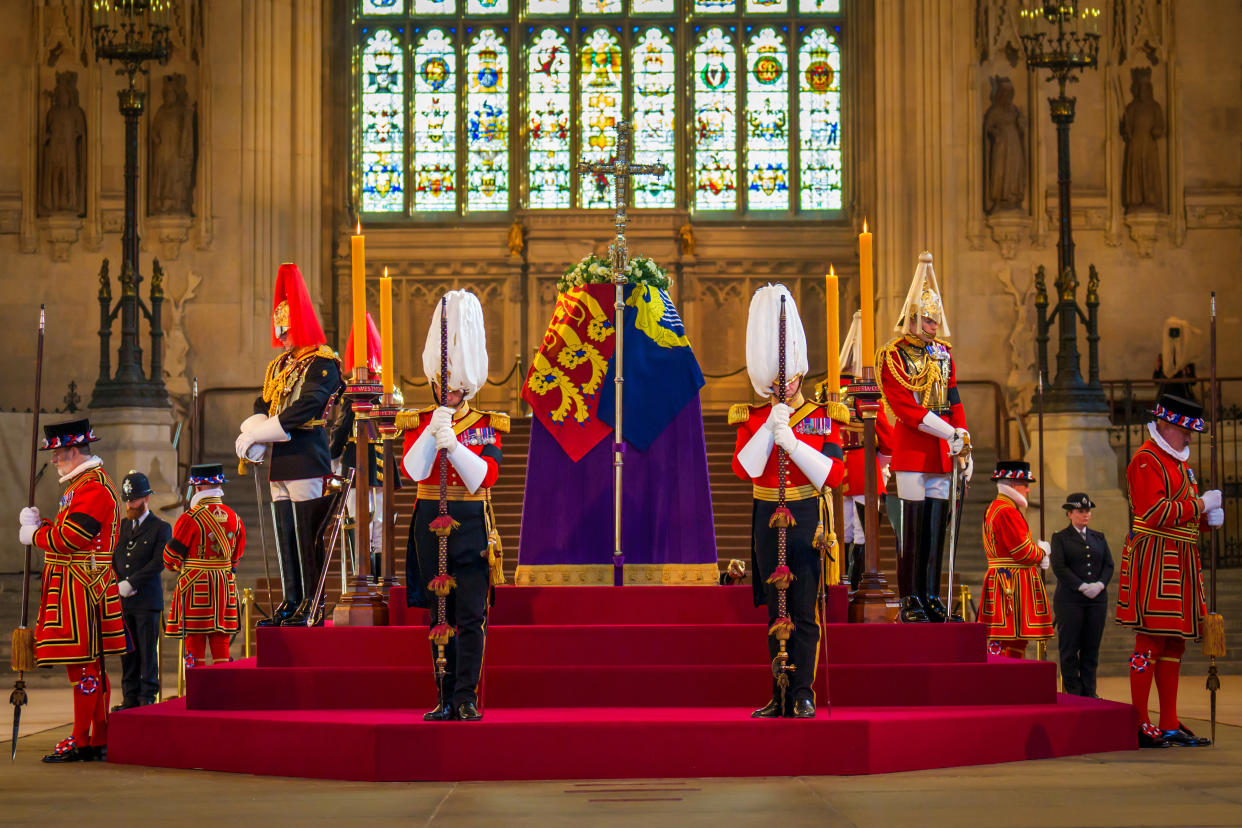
[
  {"x": 181, "y": 666},
  {"x": 159, "y": 664},
  {"x": 247, "y": 626}
]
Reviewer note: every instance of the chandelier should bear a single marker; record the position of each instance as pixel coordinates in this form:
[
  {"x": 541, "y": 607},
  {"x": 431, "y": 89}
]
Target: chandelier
[
  {"x": 1062, "y": 37},
  {"x": 132, "y": 32}
]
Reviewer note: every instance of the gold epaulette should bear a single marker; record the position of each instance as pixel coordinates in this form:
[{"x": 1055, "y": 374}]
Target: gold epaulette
[
  {"x": 838, "y": 411},
  {"x": 739, "y": 413},
  {"x": 407, "y": 420},
  {"x": 498, "y": 420}
]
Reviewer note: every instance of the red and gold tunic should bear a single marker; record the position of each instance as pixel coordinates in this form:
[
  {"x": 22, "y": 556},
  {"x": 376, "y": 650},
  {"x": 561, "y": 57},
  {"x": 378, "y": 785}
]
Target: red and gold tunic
[
  {"x": 1160, "y": 590},
  {"x": 816, "y": 424},
  {"x": 207, "y": 542},
  {"x": 79, "y": 608},
  {"x": 476, "y": 430},
  {"x": 1015, "y": 604},
  {"x": 917, "y": 378}
]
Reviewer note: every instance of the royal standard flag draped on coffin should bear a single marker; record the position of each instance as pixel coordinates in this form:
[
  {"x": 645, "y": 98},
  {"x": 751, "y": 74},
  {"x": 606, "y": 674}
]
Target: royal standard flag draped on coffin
[{"x": 570, "y": 384}]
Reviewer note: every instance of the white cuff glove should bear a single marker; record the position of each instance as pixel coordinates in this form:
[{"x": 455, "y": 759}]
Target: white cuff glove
[
  {"x": 419, "y": 459},
  {"x": 251, "y": 421},
  {"x": 1045, "y": 546},
  {"x": 778, "y": 416},
  {"x": 785, "y": 438},
  {"x": 248, "y": 449},
  {"x": 1096, "y": 588},
  {"x": 29, "y": 516},
  {"x": 126, "y": 589},
  {"x": 445, "y": 438},
  {"x": 811, "y": 462},
  {"x": 957, "y": 443},
  {"x": 1215, "y": 517},
  {"x": 968, "y": 471},
  {"x": 754, "y": 455},
  {"x": 937, "y": 426},
  {"x": 1211, "y": 500},
  {"x": 1085, "y": 589},
  {"x": 1045, "y": 562},
  {"x": 268, "y": 431},
  {"x": 441, "y": 417},
  {"x": 26, "y": 534},
  {"x": 471, "y": 468}
]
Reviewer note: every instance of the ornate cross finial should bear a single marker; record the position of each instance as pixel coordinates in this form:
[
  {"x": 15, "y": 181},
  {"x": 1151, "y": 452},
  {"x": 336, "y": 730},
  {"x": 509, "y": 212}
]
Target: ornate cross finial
[{"x": 622, "y": 170}]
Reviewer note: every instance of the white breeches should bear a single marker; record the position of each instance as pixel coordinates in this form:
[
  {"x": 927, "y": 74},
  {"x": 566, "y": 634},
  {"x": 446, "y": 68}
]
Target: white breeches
[
  {"x": 308, "y": 488},
  {"x": 918, "y": 486},
  {"x": 852, "y": 530}
]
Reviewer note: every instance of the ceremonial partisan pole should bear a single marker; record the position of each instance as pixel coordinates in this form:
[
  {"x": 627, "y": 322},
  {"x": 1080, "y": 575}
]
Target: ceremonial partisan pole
[
  {"x": 22, "y": 657},
  {"x": 621, "y": 170},
  {"x": 1214, "y": 624},
  {"x": 1041, "y": 646}
]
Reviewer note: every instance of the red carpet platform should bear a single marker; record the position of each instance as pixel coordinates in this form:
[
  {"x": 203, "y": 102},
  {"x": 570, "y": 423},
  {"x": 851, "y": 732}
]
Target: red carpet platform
[{"x": 603, "y": 682}]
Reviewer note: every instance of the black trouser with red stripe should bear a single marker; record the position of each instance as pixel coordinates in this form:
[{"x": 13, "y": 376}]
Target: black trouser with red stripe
[{"x": 802, "y": 597}]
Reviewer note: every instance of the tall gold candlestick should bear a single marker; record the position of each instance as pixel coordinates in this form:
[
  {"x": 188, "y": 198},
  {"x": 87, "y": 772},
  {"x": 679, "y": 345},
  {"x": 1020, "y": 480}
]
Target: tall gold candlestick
[
  {"x": 357, "y": 245},
  {"x": 832, "y": 305},
  {"x": 866, "y": 283},
  {"x": 387, "y": 368}
]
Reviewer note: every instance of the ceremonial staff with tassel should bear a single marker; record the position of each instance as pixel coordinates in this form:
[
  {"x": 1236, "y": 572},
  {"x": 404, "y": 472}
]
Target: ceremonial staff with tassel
[
  {"x": 790, "y": 523},
  {"x": 1213, "y": 622},
  {"x": 22, "y": 656},
  {"x": 1041, "y": 645},
  {"x": 453, "y": 452}
]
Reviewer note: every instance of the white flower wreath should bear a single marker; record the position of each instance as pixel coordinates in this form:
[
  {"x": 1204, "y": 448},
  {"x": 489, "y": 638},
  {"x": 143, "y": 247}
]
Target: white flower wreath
[{"x": 593, "y": 270}]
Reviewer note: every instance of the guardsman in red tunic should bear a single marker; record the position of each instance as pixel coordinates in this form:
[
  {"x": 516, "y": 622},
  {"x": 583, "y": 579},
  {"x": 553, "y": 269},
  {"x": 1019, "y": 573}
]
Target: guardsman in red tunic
[
  {"x": 810, "y": 434},
  {"x": 471, "y": 440},
  {"x": 854, "y": 485},
  {"x": 1160, "y": 590},
  {"x": 289, "y": 426},
  {"x": 918, "y": 378},
  {"x": 1014, "y": 604},
  {"x": 207, "y": 542},
  {"x": 79, "y": 607}
]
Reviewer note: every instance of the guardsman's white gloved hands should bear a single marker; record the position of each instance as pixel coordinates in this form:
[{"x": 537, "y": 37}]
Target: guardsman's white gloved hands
[
  {"x": 441, "y": 417},
  {"x": 126, "y": 589},
  {"x": 445, "y": 438},
  {"x": 785, "y": 438},
  {"x": 1215, "y": 517},
  {"x": 778, "y": 416},
  {"x": 1211, "y": 500},
  {"x": 29, "y": 516}
]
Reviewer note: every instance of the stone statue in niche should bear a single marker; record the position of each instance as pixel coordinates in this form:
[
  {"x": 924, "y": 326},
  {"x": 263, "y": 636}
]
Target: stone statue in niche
[
  {"x": 172, "y": 151},
  {"x": 1004, "y": 143},
  {"x": 62, "y": 173},
  {"x": 1142, "y": 125}
]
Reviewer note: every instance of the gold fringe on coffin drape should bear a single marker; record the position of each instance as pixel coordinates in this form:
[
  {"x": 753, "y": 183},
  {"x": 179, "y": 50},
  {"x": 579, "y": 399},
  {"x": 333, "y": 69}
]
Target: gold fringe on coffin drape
[{"x": 704, "y": 574}]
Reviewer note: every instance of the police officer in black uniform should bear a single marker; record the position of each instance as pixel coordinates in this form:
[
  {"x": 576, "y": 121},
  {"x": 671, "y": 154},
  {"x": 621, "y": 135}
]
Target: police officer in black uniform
[
  {"x": 138, "y": 561},
  {"x": 1083, "y": 566}
]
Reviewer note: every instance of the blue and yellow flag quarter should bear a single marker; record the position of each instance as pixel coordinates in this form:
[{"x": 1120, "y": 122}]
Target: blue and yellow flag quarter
[{"x": 661, "y": 371}]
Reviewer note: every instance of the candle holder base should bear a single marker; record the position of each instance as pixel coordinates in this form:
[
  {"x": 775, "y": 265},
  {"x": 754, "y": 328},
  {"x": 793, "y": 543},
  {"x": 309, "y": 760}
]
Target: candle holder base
[
  {"x": 361, "y": 606},
  {"x": 873, "y": 602}
]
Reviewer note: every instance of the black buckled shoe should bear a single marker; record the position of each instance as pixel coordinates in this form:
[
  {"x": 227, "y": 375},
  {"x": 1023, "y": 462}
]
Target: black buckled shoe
[
  {"x": 912, "y": 611},
  {"x": 67, "y": 750},
  {"x": 1184, "y": 737},
  {"x": 1149, "y": 737},
  {"x": 468, "y": 712},
  {"x": 771, "y": 710},
  {"x": 126, "y": 704},
  {"x": 440, "y": 713},
  {"x": 804, "y": 709}
]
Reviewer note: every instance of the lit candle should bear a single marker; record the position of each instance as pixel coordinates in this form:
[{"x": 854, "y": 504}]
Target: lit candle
[
  {"x": 386, "y": 332},
  {"x": 866, "y": 285},
  {"x": 831, "y": 303},
  {"x": 359, "y": 258}
]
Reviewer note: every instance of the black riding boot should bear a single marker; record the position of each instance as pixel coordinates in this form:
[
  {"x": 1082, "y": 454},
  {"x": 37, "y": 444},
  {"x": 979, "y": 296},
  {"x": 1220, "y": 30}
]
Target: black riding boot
[
  {"x": 908, "y": 578},
  {"x": 858, "y": 563},
  {"x": 309, "y": 516},
  {"x": 937, "y": 520},
  {"x": 287, "y": 558}
]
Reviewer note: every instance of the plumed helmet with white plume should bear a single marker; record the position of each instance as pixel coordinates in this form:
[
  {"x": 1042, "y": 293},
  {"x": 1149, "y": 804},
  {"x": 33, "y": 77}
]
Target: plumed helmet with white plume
[
  {"x": 923, "y": 299},
  {"x": 763, "y": 343},
  {"x": 851, "y": 348},
  {"x": 467, "y": 344}
]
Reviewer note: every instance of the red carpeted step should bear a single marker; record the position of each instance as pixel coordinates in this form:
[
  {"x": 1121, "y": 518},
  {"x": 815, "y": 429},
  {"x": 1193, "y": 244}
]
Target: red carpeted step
[
  {"x": 610, "y": 743},
  {"x": 621, "y": 605},
  {"x": 243, "y": 687},
  {"x": 621, "y": 645}
]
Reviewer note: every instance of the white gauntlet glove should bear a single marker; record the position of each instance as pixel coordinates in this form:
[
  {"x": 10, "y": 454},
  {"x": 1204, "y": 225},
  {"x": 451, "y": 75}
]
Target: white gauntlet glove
[
  {"x": 445, "y": 438},
  {"x": 1211, "y": 500},
  {"x": 29, "y": 516},
  {"x": 785, "y": 438},
  {"x": 778, "y": 416},
  {"x": 1215, "y": 517},
  {"x": 441, "y": 417},
  {"x": 126, "y": 589}
]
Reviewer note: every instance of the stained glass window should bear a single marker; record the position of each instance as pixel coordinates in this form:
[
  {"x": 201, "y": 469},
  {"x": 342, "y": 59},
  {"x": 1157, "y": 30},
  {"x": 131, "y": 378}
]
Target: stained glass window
[
  {"x": 383, "y": 6},
  {"x": 435, "y": 6},
  {"x": 819, "y": 121},
  {"x": 599, "y": 84},
  {"x": 767, "y": 122},
  {"x": 654, "y": 71},
  {"x": 487, "y": 123},
  {"x": 715, "y": 123},
  {"x": 549, "y": 109},
  {"x": 382, "y": 142},
  {"x": 486, "y": 106},
  {"x": 435, "y": 123}
]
